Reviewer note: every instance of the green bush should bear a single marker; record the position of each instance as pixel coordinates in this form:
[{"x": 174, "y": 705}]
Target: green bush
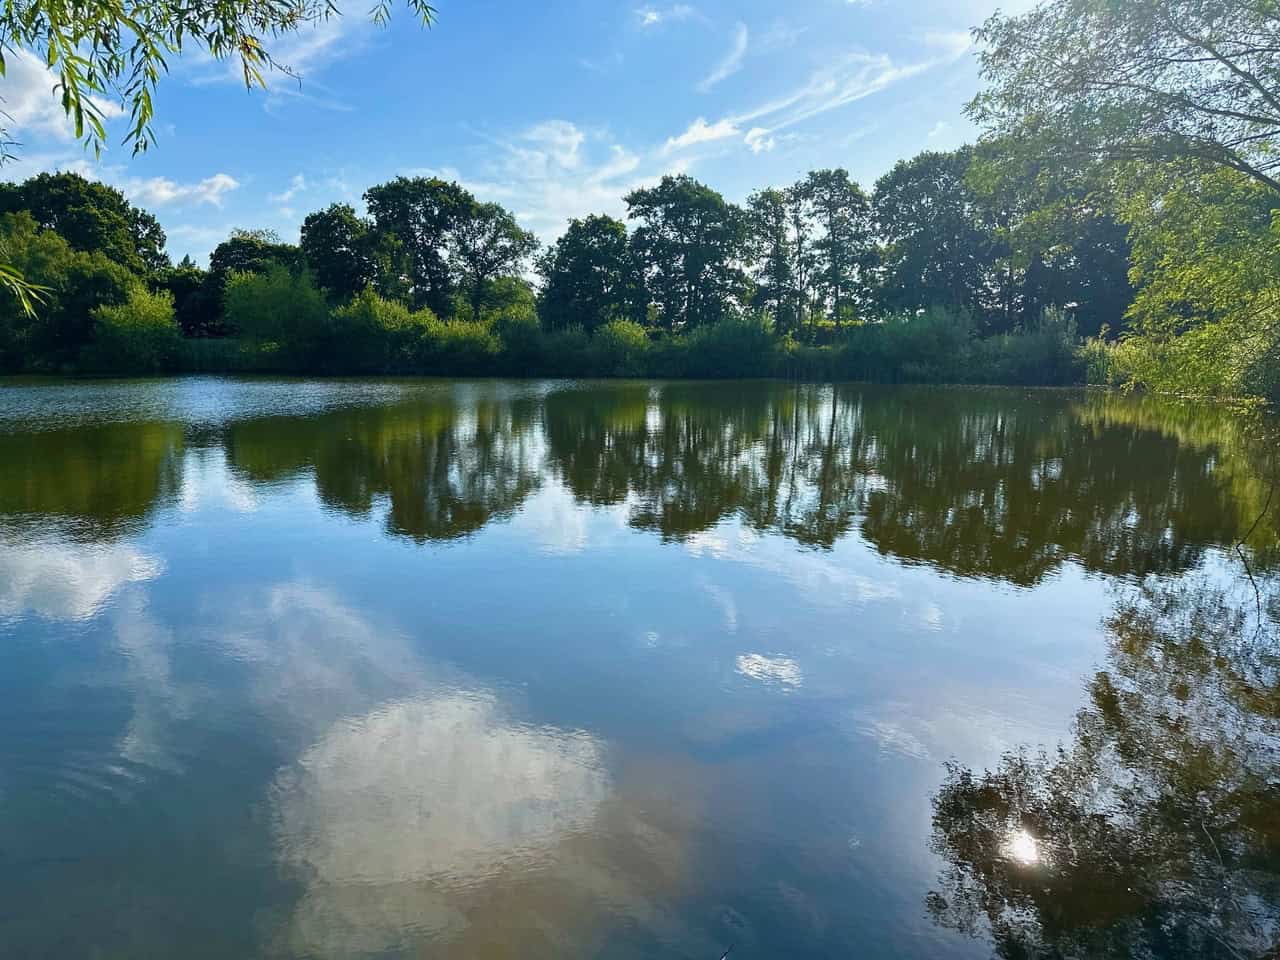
[
  {"x": 620, "y": 348},
  {"x": 374, "y": 335},
  {"x": 278, "y": 306},
  {"x": 137, "y": 336},
  {"x": 74, "y": 284},
  {"x": 744, "y": 347},
  {"x": 458, "y": 348}
]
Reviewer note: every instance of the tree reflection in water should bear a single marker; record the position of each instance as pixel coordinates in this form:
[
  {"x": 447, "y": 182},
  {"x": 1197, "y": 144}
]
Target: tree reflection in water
[{"x": 1156, "y": 831}]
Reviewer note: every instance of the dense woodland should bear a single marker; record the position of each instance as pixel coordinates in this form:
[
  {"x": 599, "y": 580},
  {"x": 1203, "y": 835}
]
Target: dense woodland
[{"x": 1127, "y": 239}]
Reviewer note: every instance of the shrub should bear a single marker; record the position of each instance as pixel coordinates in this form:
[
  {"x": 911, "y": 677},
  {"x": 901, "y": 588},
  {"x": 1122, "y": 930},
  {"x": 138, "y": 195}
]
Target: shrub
[
  {"x": 137, "y": 336},
  {"x": 278, "y": 306},
  {"x": 458, "y": 348},
  {"x": 744, "y": 347},
  {"x": 620, "y": 349},
  {"x": 373, "y": 335}
]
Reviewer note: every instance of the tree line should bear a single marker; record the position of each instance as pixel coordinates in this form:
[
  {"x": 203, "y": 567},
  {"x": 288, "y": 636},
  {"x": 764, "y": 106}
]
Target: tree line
[{"x": 957, "y": 236}]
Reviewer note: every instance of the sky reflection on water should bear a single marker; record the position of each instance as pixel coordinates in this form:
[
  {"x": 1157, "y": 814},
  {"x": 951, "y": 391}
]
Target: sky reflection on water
[{"x": 372, "y": 669}]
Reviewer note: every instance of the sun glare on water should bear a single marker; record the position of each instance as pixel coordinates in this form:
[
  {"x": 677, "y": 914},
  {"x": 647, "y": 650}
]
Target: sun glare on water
[{"x": 1023, "y": 847}]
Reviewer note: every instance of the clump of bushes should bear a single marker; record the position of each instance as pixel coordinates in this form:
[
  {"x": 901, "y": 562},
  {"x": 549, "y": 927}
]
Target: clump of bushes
[{"x": 137, "y": 336}]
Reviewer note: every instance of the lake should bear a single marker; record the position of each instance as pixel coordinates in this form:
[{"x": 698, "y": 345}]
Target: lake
[{"x": 631, "y": 669}]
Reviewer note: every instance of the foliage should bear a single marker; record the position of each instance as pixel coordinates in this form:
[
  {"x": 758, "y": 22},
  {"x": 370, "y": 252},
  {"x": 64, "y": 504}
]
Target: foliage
[
  {"x": 92, "y": 217},
  {"x": 74, "y": 283},
  {"x": 1143, "y": 79},
  {"x": 620, "y": 349},
  {"x": 939, "y": 237},
  {"x": 590, "y": 276},
  {"x": 375, "y": 335},
  {"x": 487, "y": 243},
  {"x": 691, "y": 242},
  {"x": 198, "y": 309},
  {"x": 337, "y": 247},
  {"x": 279, "y": 306},
  {"x": 1207, "y": 264},
  {"x": 844, "y": 251},
  {"x": 414, "y": 220},
  {"x": 137, "y": 336}
]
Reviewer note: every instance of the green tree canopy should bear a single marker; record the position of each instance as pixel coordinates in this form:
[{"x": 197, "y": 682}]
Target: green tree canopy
[
  {"x": 590, "y": 276},
  {"x": 845, "y": 250},
  {"x": 487, "y": 244},
  {"x": 92, "y": 217},
  {"x": 692, "y": 242},
  {"x": 1139, "y": 79},
  {"x": 414, "y": 218},
  {"x": 939, "y": 245},
  {"x": 337, "y": 248}
]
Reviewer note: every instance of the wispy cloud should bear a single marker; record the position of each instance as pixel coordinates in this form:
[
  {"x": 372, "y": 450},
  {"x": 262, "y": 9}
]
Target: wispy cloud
[
  {"x": 702, "y": 132},
  {"x": 732, "y": 61},
  {"x": 554, "y": 171},
  {"x": 296, "y": 186},
  {"x": 846, "y": 80},
  {"x": 650, "y": 16}
]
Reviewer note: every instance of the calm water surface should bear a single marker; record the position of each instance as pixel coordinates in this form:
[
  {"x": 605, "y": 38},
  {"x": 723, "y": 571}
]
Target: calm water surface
[{"x": 507, "y": 669}]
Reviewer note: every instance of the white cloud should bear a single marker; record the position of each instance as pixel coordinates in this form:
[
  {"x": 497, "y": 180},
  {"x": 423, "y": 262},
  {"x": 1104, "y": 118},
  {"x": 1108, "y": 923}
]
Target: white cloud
[
  {"x": 161, "y": 191},
  {"x": 940, "y": 129},
  {"x": 732, "y": 61},
  {"x": 840, "y": 83},
  {"x": 759, "y": 141},
  {"x": 702, "y": 132},
  {"x": 296, "y": 186},
  {"x": 649, "y": 16},
  {"x": 779, "y": 36},
  {"x": 952, "y": 43},
  {"x": 554, "y": 171},
  {"x": 31, "y": 102}
]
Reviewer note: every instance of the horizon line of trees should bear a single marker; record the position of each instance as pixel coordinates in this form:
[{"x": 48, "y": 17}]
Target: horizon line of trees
[{"x": 960, "y": 232}]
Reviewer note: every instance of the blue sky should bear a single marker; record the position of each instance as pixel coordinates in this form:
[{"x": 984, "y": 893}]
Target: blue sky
[{"x": 555, "y": 110}]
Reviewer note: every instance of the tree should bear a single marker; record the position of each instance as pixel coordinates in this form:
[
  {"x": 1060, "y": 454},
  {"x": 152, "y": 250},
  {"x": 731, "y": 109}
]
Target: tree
[
  {"x": 91, "y": 217},
  {"x": 74, "y": 282},
  {"x": 278, "y": 306},
  {"x": 336, "y": 246},
  {"x": 845, "y": 252},
  {"x": 1206, "y": 262},
  {"x": 250, "y": 251},
  {"x": 692, "y": 244},
  {"x": 773, "y": 253},
  {"x": 486, "y": 244},
  {"x": 1058, "y": 240},
  {"x": 1140, "y": 79},
  {"x": 590, "y": 276},
  {"x": 1153, "y": 834},
  {"x": 414, "y": 221},
  {"x": 938, "y": 249},
  {"x": 196, "y": 307}
]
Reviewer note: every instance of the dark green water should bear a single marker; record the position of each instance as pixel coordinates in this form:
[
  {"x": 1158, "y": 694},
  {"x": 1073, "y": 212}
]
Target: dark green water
[{"x": 500, "y": 669}]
